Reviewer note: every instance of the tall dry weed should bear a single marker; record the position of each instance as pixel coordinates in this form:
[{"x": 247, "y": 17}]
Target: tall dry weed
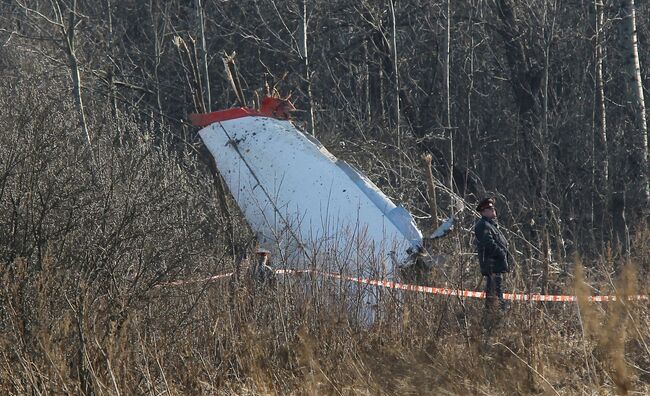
[{"x": 607, "y": 327}]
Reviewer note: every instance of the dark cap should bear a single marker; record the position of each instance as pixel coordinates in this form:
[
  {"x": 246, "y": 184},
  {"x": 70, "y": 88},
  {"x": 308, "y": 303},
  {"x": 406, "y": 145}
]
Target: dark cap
[{"x": 484, "y": 204}]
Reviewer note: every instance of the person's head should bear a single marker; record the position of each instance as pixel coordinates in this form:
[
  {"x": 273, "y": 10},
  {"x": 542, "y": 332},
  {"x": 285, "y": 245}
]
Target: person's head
[
  {"x": 486, "y": 208},
  {"x": 262, "y": 255}
]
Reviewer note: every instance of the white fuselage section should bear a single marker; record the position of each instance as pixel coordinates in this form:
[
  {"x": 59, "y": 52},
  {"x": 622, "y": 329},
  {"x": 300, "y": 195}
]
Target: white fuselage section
[{"x": 305, "y": 204}]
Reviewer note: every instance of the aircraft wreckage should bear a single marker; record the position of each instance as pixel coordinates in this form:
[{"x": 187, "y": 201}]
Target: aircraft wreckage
[{"x": 307, "y": 206}]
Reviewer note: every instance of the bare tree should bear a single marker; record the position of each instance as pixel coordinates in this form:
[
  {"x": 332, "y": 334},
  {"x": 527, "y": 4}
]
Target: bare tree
[
  {"x": 600, "y": 155},
  {"x": 305, "y": 56},
  {"x": 396, "y": 88},
  {"x": 600, "y": 86},
  {"x": 632, "y": 69},
  {"x": 446, "y": 73},
  {"x": 204, "y": 53},
  {"x": 66, "y": 20}
]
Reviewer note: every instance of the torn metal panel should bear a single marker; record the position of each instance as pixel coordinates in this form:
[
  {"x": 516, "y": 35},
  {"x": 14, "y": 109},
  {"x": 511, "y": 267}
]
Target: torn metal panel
[{"x": 297, "y": 195}]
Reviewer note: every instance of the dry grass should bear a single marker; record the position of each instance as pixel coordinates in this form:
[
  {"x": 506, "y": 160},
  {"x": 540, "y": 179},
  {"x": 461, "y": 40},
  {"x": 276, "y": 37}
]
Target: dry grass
[{"x": 216, "y": 339}]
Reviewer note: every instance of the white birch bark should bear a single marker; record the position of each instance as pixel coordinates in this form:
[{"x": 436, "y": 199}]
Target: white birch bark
[
  {"x": 305, "y": 25},
  {"x": 68, "y": 32},
  {"x": 396, "y": 72},
  {"x": 446, "y": 72},
  {"x": 635, "y": 86},
  {"x": 600, "y": 89}
]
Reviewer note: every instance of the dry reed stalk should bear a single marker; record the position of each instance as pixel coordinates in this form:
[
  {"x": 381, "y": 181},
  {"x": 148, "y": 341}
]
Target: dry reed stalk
[{"x": 431, "y": 188}]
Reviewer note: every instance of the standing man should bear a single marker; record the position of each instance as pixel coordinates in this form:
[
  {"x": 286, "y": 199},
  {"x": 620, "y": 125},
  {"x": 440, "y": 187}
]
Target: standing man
[
  {"x": 261, "y": 273},
  {"x": 493, "y": 255}
]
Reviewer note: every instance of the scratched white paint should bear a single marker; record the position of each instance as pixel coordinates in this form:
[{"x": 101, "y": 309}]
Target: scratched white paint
[{"x": 298, "y": 197}]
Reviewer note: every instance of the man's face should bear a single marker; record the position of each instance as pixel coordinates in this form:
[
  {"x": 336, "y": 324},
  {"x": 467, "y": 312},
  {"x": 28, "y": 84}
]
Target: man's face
[{"x": 490, "y": 213}]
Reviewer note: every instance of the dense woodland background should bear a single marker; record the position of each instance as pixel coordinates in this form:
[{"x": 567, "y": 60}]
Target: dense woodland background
[{"x": 105, "y": 194}]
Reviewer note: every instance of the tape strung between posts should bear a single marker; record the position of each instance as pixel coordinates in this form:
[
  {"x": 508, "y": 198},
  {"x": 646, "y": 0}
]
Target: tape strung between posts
[{"x": 422, "y": 289}]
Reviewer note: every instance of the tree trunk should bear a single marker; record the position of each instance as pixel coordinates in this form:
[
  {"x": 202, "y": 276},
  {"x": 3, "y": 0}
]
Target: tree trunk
[
  {"x": 368, "y": 78},
  {"x": 600, "y": 179},
  {"x": 600, "y": 89},
  {"x": 396, "y": 73},
  {"x": 76, "y": 91},
  {"x": 380, "y": 65},
  {"x": 445, "y": 71},
  {"x": 70, "y": 47},
  {"x": 204, "y": 53},
  {"x": 636, "y": 103},
  {"x": 305, "y": 24}
]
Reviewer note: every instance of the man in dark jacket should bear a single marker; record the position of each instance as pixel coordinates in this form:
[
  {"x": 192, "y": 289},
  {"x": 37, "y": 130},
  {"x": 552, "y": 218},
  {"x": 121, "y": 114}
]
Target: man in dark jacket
[{"x": 493, "y": 255}]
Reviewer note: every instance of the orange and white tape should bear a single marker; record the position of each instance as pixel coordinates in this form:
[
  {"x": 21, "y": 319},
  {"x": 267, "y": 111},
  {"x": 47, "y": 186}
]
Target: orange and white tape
[
  {"x": 425, "y": 289},
  {"x": 202, "y": 280}
]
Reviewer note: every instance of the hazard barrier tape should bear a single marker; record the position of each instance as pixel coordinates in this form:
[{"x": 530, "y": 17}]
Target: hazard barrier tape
[
  {"x": 202, "y": 280},
  {"x": 425, "y": 289}
]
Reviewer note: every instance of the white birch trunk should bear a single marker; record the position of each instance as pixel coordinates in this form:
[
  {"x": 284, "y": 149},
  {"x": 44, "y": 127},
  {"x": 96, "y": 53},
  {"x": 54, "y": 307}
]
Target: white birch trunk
[
  {"x": 75, "y": 75},
  {"x": 635, "y": 87},
  {"x": 446, "y": 72},
  {"x": 305, "y": 25},
  {"x": 396, "y": 72},
  {"x": 600, "y": 89}
]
